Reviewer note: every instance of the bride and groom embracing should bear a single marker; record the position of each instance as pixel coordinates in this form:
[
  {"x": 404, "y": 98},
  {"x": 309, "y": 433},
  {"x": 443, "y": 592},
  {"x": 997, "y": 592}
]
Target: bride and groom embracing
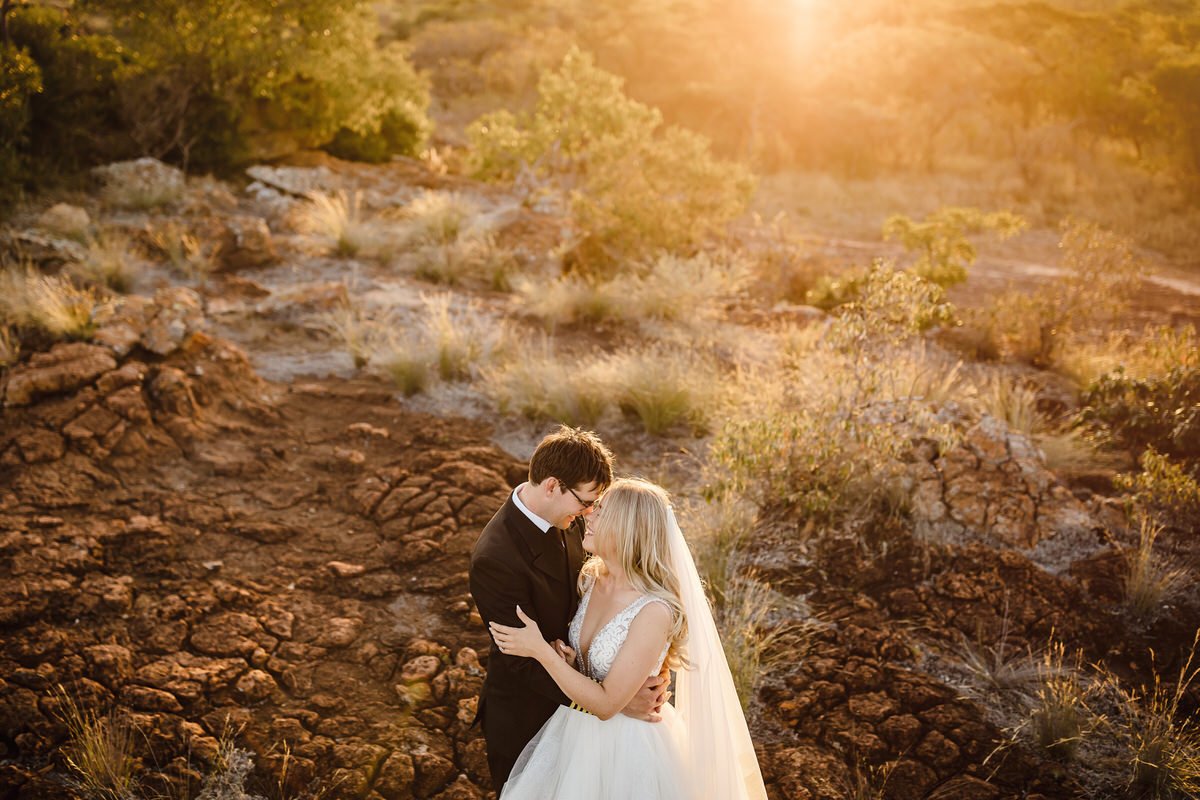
[{"x": 574, "y": 703}]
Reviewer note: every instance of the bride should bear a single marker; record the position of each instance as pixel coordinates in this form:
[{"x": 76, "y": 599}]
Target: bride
[{"x": 643, "y": 605}]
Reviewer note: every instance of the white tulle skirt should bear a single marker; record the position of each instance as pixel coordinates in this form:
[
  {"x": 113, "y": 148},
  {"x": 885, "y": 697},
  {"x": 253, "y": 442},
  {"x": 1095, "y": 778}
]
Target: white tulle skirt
[{"x": 577, "y": 756}]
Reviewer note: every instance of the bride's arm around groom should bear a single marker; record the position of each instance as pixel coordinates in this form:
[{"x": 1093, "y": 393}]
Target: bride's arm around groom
[{"x": 638, "y": 657}]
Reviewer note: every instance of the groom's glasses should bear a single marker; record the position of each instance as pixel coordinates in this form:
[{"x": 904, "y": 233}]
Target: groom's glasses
[{"x": 585, "y": 503}]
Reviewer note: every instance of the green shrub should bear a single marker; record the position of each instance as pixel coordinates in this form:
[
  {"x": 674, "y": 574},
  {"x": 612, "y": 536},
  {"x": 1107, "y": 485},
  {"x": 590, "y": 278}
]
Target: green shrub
[
  {"x": 1165, "y": 490},
  {"x": 1100, "y": 271},
  {"x": 823, "y": 434},
  {"x": 20, "y": 82},
  {"x": 76, "y": 120},
  {"x": 940, "y": 242},
  {"x": 634, "y": 185},
  {"x": 216, "y": 85},
  {"x": 1161, "y": 412}
]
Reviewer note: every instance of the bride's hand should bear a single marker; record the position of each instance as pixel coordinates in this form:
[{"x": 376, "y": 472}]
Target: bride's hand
[
  {"x": 565, "y": 650},
  {"x": 526, "y": 641}
]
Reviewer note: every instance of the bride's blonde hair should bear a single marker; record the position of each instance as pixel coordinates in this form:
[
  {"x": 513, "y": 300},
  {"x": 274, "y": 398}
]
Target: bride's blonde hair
[{"x": 635, "y": 518}]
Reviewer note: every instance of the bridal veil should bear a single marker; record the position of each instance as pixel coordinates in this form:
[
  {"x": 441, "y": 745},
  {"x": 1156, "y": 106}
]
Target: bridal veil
[{"x": 719, "y": 750}]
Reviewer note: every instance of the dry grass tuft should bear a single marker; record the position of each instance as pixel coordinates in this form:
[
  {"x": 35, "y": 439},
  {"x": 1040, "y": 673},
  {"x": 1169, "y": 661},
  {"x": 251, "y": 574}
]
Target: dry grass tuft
[
  {"x": 339, "y": 219},
  {"x": 664, "y": 388},
  {"x": 753, "y": 637},
  {"x": 1072, "y": 451},
  {"x": 540, "y": 385},
  {"x": 716, "y": 532},
  {"x": 360, "y": 334},
  {"x": 10, "y": 347},
  {"x": 1151, "y": 581},
  {"x": 1165, "y": 739},
  {"x": 181, "y": 249},
  {"x": 50, "y": 303},
  {"x": 459, "y": 337},
  {"x": 445, "y": 342},
  {"x": 109, "y": 260},
  {"x": 1060, "y": 717},
  {"x": 1153, "y": 353},
  {"x": 99, "y": 751},
  {"x": 1013, "y": 403},
  {"x": 669, "y": 288}
]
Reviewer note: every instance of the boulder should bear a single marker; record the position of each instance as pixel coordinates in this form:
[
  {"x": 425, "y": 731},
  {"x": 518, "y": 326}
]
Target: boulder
[{"x": 245, "y": 243}]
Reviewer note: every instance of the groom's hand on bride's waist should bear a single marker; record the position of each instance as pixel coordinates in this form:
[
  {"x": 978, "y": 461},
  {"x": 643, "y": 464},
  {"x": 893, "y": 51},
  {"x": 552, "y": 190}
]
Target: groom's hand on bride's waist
[{"x": 648, "y": 702}]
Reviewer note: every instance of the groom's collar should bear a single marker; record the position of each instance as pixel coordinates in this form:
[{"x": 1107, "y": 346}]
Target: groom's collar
[{"x": 542, "y": 524}]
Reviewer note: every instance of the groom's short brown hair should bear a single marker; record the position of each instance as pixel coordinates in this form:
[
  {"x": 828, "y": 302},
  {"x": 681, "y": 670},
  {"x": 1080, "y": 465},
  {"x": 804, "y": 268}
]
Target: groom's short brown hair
[{"x": 573, "y": 456}]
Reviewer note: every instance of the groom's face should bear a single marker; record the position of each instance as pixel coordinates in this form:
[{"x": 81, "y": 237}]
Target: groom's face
[{"x": 572, "y": 502}]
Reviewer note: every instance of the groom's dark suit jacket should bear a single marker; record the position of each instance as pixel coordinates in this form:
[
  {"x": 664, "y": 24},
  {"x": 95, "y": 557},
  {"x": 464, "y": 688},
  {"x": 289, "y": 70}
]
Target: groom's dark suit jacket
[{"x": 515, "y": 563}]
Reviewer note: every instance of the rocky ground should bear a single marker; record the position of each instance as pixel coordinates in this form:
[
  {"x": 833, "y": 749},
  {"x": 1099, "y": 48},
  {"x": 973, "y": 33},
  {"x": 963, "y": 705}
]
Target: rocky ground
[{"x": 197, "y": 530}]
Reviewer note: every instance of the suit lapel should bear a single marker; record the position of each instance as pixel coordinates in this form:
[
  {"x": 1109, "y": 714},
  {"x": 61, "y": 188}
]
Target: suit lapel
[{"x": 542, "y": 549}]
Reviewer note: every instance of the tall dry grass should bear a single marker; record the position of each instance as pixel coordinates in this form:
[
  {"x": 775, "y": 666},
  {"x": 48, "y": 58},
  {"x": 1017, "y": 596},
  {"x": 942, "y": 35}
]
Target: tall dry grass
[
  {"x": 1152, "y": 353},
  {"x": 539, "y": 383},
  {"x": 109, "y": 260},
  {"x": 52, "y": 304},
  {"x": 100, "y": 750},
  {"x": 1165, "y": 737},
  {"x": 1150, "y": 581},
  {"x": 340, "y": 220},
  {"x": 669, "y": 288}
]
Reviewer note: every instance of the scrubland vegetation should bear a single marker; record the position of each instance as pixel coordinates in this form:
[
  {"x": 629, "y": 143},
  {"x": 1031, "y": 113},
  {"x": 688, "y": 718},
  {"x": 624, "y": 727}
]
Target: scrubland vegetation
[{"x": 663, "y": 316}]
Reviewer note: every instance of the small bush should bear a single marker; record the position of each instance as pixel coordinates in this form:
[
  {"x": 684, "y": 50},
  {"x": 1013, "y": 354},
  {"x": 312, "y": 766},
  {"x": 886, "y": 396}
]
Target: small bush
[
  {"x": 634, "y": 185},
  {"x": 20, "y": 81},
  {"x": 1161, "y": 412},
  {"x": 823, "y": 434},
  {"x": 1164, "y": 490},
  {"x": 943, "y": 251},
  {"x": 1100, "y": 273},
  {"x": 832, "y": 292}
]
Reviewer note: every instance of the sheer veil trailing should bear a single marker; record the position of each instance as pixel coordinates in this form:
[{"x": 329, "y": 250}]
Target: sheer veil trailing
[{"x": 720, "y": 755}]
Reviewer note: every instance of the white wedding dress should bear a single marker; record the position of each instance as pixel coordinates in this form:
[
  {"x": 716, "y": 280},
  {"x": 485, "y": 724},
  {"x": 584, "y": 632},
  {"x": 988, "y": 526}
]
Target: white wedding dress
[
  {"x": 700, "y": 750},
  {"x": 577, "y": 756}
]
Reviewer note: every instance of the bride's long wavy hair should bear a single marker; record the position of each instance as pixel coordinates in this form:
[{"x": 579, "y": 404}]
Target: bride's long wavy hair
[{"x": 633, "y": 517}]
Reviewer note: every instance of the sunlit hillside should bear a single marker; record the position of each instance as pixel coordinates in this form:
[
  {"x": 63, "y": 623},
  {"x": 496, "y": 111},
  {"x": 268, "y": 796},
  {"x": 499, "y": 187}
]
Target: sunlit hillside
[{"x": 898, "y": 300}]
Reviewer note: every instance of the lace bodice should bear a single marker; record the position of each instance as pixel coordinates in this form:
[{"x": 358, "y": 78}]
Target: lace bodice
[{"x": 607, "y": 641}]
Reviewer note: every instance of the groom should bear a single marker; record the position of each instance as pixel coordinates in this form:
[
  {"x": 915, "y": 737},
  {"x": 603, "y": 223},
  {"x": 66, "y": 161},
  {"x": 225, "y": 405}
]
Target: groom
[{"x": 530, "y": 555}]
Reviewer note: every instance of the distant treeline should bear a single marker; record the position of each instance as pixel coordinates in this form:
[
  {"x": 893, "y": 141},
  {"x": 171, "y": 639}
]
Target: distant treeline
[{"x": 877, "y": 84}]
